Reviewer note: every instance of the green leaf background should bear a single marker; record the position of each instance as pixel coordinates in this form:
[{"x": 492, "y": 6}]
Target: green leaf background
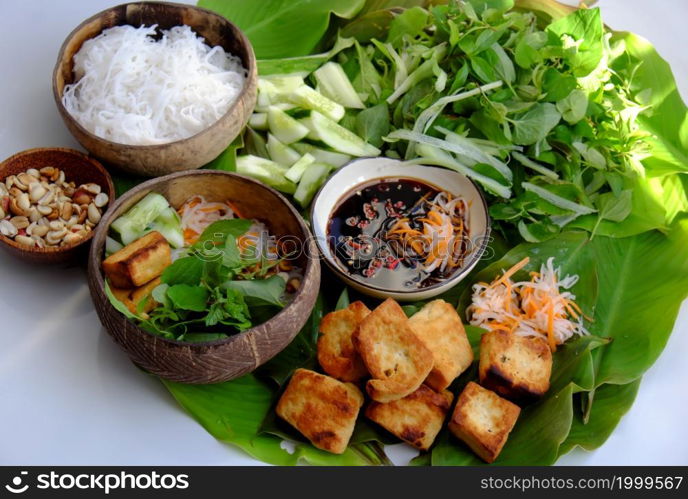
[
  {"x": 633, "y": 274},
  {"x": 284, "y": 28}
]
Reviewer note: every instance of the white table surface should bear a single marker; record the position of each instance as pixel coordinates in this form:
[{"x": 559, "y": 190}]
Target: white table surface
[{"x": 69, "y": 396}]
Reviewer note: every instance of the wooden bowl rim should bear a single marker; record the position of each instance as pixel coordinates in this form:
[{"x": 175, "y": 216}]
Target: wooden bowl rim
[
  {"x": 250, "y": 78},
  {"x": 98, "y": 166},
  {"x": 94, "y": 259}
]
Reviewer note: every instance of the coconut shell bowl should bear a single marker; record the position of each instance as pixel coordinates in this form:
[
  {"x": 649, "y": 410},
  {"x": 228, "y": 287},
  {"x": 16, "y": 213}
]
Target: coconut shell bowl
[
  {"x": 226, "y": 359},
  {"x": 186, "y": 154},
  {"x": 30, "y": 181}
]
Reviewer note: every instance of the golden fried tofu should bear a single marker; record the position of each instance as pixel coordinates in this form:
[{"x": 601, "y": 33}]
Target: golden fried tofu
[
  {"x": 515, "y": 367},
  {"x": 439, "y": 326},
  {"x": 396, "y": 358},
  {"x": 416, "y": 419},
  {"x": 336, "y": 352},
  {"x": 322, "y": 408},
  {"x": 143, "y": 294},
  {"x": 138, "y": 262},
  {"x": 483, "y": 420},
  {"x": 124, "y": 295}
]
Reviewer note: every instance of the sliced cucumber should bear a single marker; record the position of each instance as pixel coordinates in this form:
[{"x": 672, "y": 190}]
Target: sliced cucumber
[
  {"x": 111, "y": 246},
  {"x": 284, "y": 127},
  {"x": 266, "y": 171},
  {"x": 307, "y": 98},
  {"x": 335, "y": 159},
  {"x": 312, "y": 132},
  {"x": 283, "y": 84},
  {"x": 334, "y": 84},
  {"x": 311, "y": 180},
  {"x": 281, "y": 153},
  {"x": 284, "y": 106},
  {"x": 296, "y": 171},
  {"x": 258, "y": 121},
  {"x": 134, "y": 222},
  {"x": 339, "y": 138},
  {"x": 169, "y": 225}
]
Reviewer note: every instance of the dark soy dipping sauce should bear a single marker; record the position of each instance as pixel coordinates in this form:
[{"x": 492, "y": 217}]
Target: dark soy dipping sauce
[{"x": 357, "y": 227}]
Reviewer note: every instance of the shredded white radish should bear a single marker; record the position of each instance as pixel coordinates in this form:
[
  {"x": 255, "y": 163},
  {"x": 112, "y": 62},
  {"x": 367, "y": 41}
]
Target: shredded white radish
[
  {"x": 197, "y": 214},
  {"x": 540, "y": 307},
  {"x": 134, "y": 89}
]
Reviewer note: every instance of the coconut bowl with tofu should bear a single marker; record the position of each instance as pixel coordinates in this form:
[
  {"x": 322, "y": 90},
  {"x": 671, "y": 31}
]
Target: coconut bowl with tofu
[{"x": 136, "y": 266}]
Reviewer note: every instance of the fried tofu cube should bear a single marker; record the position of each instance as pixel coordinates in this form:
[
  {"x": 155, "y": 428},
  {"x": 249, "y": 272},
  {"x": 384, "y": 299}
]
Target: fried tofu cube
[
  {"x": 396, "y": 358},
  {"x": 336, "y": 352},
  {"x": 515, "y": 367},
  {"x": 322, "y": 408},
  {"x": 416, "y": 419},
  {"x": 143, "y": 295},
  {"x": 124, "y": 295},
  {"x": 138, "y": 262},
  {"x": 483, "y": 420},
  {"x": 439, "y": 326}
]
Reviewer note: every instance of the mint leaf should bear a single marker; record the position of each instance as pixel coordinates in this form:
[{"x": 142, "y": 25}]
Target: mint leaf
[
  {"x": 615, "y": 208},
  {"x": 268, "y": 290},
  {"x": 373, "y": 123},
  {"x": 574, "y": 106},
  {"x": 231, "y": 256},
  {"x": 584, "y": 27},
  {"x": 534, "y": 125},
  {"x": 186, "y": 270},
  {"x": 194, "y": 298},
  {"x": 217, "y": 232},
  {"x": 558, "y": 85}
]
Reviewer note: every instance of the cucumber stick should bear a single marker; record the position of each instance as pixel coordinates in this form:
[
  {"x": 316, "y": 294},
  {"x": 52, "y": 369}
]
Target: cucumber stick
[
  {"x": 265, "y": 170},
  {"x": 285, "y": 128},
  {"x": 169, "y": 225},
  {"x": 312, "y": 132},
  {"x": 280, "y": 152},
  {"x": 334, "y": 84},
  {"x": 258, "y": 121},
  {"x": 311, "y": 180},
  {"x": 134, "y": 222},
  {"x": 335, "y": 159},
  {"x": 339, "y": 138},
  {"x": 307, "y": 98},
  {"x": 296, "y": 171},
  {"x": 111, "y": 246}
]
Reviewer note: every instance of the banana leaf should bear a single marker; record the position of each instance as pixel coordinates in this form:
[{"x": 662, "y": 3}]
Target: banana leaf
[
  {"x": 633, "y": 278},
  {"x": 284, "y": 28},
  {"x": 611, "y": 403}
]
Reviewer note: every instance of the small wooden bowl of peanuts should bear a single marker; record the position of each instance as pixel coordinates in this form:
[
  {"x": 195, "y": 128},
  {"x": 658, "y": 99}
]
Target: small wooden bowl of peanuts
[{"x": 51, "y": 199}]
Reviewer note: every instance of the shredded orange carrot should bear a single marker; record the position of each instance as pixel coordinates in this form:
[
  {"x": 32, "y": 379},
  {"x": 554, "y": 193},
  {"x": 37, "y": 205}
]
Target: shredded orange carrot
[
  {"x": 550, "y": 329},
  {"x": 512, "y": 271}
]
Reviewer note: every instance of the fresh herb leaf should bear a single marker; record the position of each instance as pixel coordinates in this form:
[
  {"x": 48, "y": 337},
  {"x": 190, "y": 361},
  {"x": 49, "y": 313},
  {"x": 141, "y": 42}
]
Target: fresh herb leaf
[
  {"x": 217, "y": 232},
  {"x": 373, "y": 123},
  {"x": 268, "y": 290},
  {"x": 188, "y": 297},
  {"x": 534, "y": 125},
  {"x": 185, "y": 270},
  {"x": 574, "y": 106}
]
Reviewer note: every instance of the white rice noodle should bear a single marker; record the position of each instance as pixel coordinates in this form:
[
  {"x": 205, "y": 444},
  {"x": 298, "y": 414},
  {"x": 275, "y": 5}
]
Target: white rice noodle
[
  {"x": 198, "y": 216},
  {"x": 133, "y": 89}
]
